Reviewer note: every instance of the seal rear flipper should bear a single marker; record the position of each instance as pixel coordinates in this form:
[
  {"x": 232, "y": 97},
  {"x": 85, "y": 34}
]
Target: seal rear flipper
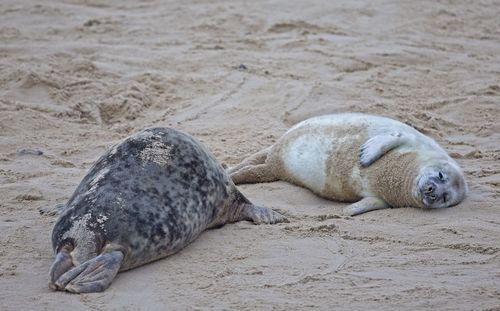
[
  {"x": 255, "y": 159},
  {"x": 367, "y": 204},
  {"x": 94, "y": 275},
  {"x": 378, "y": 145},
  {"x": 261, "y": 215},
  {"x": 253, "y": 174},
  {"x": 61, "y": 265}
]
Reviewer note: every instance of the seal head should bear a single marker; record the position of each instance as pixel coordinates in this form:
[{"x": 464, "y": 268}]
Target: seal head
[{"x": 440, "y": 186}]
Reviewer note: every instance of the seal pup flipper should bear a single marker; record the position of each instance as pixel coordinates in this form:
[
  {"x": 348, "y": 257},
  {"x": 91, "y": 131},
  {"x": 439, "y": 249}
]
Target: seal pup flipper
[
  {"x": 257, "y": 158},
  {"x": 94, "y": 275},
  {"x": 261, "y": 215},
  {"x": 253, "y": 174},
  {"x": 378, "y": 145},
  {"x": 367, "y": 204}
]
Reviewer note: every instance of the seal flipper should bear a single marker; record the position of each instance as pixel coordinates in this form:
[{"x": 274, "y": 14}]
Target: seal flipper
[
  {"x": 378, "y": 145},
  {"x": 367, "y": 204},
  {"x": 61, "y": 265},
  {"x": 260, "y": 215},
  {"x": 242, "y": 209},
  {"x": 253, "y": 169},
  {"x": 255, "y": 159},
  {"x": 53, "y": 210},
  {"x": 253, "y": 174},
  {"x": 94, "y": 275}
]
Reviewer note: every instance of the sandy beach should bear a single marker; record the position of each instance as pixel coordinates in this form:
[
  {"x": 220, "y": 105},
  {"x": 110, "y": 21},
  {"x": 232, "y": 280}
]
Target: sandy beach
[{"x": 77, "y": 76}]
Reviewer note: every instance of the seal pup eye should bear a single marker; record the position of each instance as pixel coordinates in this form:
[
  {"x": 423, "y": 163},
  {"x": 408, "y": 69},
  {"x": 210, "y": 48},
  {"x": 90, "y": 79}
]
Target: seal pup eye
[{"x": 441, "y": 176}]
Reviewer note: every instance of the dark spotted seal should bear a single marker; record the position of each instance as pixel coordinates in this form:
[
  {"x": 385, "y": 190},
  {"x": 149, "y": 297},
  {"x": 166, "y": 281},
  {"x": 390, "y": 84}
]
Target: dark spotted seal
[
  {"x": 145, "y": 199},
  {"x": 374, "y": 161}
]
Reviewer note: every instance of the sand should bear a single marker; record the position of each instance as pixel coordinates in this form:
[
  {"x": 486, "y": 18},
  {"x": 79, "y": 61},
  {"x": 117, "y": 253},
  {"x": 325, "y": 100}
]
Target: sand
[{"x": 77, "y": 76}]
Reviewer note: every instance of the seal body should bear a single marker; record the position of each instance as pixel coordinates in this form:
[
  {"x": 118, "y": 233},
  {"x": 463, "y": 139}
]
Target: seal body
[
  {"x": 374, "y": 161},
  {"x": 147, "y": 198}
]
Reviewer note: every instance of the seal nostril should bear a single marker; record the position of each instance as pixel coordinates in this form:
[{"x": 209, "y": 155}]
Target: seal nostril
[
  {"x": 445, "y": 197},
  {"x": 429, "y": 189}
]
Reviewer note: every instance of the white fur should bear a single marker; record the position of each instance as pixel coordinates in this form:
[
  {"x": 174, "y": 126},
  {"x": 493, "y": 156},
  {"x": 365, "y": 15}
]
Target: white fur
[{"x": 305, "y": 159}]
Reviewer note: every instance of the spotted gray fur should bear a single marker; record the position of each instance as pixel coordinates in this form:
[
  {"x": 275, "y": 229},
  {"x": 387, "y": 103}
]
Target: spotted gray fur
[{"x": 148, "y": 197}]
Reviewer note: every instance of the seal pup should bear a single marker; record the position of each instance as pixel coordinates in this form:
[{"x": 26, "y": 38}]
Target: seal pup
[
  {"x": 145, "y": 199},
  {"x": 373, "y": 161}
]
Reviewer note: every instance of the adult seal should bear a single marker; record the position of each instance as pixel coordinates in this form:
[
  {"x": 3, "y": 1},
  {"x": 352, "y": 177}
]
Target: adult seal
[
  {"x": 373, "y": 161},
  {"x": 145, "y": 199}
]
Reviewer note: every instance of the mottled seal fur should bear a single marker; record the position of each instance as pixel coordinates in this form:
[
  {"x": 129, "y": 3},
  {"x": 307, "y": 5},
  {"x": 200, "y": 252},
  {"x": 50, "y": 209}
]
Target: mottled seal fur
[
  {"x": 374, "y": 161},
  {"x": 145, "y": 199}
]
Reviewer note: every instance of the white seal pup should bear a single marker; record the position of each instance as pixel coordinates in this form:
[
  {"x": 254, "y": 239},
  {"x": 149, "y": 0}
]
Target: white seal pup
[
  {"x": 145, "y": 199},
  {"x": 374, "y": 161}
]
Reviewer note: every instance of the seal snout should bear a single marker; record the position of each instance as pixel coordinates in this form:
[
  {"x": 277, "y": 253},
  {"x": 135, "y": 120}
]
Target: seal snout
[{"x": 434, "y": 192}]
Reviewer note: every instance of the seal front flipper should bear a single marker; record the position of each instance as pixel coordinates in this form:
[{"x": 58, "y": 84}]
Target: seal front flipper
[
  {"x": 53, "y": 210},
  {"x": 378, "y": 145},
  {"x": 242, "y": 209},
  {"x": 367, "y": 204},
  {"x": 261, "y": 215},
  {"x": 94, "y": 275}
]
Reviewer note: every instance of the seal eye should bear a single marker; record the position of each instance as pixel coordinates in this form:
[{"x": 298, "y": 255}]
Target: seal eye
[{"x": 441, "y": 176}]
